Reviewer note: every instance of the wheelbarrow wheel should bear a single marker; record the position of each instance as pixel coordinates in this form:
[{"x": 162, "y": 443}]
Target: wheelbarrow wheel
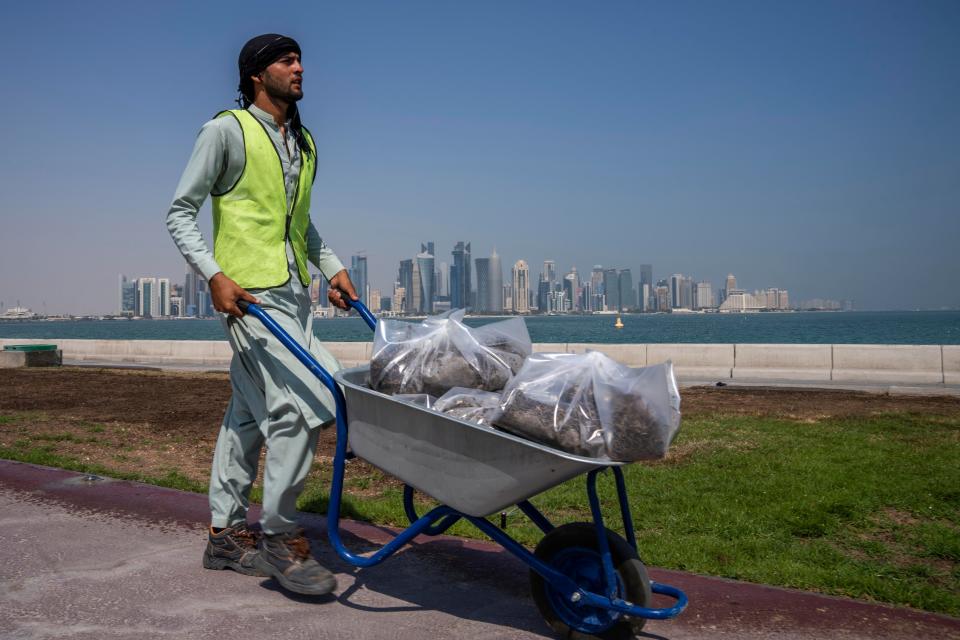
[{"x": 572, "y": 549}]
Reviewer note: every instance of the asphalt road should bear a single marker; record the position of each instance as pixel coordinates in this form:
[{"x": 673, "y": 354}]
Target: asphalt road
[{"x": 110, "y": 559}]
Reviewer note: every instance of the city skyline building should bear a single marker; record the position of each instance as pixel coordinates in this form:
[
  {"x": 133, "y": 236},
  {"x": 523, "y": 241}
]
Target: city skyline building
[
  {"x": 358, "y": 275},
  {"x": 703, "y": 295},
  {"x": 399, "y": 298},
  {"x": 405, "y": 278},
  {"x": 596, "y": 300},
  {"x": 127, "y": 303},
  {"x": 460, "y": 281},
  {"x": 543, "y": 295},
  {"x": 147, "y": 298},
  {"x": 415, "y": 293},
  {"x": 520, "y": 291},
  {"x": 686, "y": 292},
  {"x": 443, "y": 280},
  {"x": 550, "y": 273},
  {"x": 611, "y": 290},
  {"x": 662, "y": 296},
  {"x": 676, "y": 284},
  {"x": 163, "y": 297},
  {"x": 425, "y": 262},
  {"x": 729, "y": 285},
  {"x": 483, "y": 284},
  {"x": 204, "y": 303},
  {"x": 496, "y": 283},
  {"x": 569, "y": 292},
  {"x": 646, "y": 278},
  {"x": 190, "y": 288},
  {"x": 626, "y": 293}
]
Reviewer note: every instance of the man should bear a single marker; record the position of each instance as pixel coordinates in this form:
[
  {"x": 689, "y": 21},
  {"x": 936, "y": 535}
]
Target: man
[{"x": 258, "y": 164}]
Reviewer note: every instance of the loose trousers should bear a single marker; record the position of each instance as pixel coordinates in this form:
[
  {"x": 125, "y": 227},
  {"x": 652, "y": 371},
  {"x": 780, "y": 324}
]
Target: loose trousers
[{"x": 276, "y": 402}]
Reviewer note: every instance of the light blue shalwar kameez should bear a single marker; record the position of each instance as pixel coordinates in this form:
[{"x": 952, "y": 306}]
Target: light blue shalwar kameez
[{"x": 276, "y": 401}]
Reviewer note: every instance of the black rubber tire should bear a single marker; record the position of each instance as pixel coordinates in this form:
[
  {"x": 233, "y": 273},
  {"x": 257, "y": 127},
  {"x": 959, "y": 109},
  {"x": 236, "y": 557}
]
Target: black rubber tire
[{"x": 626, "y": 563}]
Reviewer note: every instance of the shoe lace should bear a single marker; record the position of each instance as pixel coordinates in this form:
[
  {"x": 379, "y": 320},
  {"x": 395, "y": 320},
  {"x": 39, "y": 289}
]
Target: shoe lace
[
  {"x": 300, "y": 547},
  {"x": 245, "y": 536}
]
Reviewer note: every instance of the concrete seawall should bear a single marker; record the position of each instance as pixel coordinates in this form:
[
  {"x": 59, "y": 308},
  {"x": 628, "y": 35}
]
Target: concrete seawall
[{"x": 868, "y": 363}]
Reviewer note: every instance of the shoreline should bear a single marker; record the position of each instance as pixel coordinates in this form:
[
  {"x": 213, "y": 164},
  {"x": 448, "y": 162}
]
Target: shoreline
[{"x": 604, "y": 314}]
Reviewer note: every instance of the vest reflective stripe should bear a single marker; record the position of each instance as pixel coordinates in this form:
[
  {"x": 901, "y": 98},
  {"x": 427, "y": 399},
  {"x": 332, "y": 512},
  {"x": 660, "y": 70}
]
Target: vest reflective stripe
[{"x": 250, "y": 221}]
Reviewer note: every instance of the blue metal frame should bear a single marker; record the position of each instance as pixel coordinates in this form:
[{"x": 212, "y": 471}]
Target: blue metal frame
[{"x": 441, "y": 518}]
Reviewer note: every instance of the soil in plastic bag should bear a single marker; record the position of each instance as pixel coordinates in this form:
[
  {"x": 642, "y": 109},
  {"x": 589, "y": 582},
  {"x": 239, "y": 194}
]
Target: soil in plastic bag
[
  {"x": 469, "y": 404},
  {"x": 591, "y": 405},
  {"x": 441, "y": 353}
]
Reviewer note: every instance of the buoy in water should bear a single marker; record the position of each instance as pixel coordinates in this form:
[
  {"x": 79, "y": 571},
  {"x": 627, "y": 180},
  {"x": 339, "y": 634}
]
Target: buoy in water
[{"x": 618, "y": 324}]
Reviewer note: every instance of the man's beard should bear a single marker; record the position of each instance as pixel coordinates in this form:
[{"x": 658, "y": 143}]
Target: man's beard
[{"x": 277, "y": 90}]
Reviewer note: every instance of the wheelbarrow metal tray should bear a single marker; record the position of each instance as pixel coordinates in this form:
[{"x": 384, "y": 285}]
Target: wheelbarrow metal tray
[{"x": 473, "y": 468}]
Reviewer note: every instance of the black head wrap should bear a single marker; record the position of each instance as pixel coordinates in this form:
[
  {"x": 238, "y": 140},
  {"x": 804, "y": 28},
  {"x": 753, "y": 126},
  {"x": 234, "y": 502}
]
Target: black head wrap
[{"x": 258, "y": 54}]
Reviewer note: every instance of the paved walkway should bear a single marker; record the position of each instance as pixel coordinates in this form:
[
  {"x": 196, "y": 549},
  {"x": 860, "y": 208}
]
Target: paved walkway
[{"x": 110, "y": 559}]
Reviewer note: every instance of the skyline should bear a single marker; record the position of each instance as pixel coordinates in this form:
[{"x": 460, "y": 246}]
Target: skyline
[
  {"x": 161, "y": 291},
  {"x": 812, "y": 147}
]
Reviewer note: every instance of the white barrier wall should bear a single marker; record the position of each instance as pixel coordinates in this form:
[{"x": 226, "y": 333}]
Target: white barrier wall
[
  {"x": 700, "y": 361},
  {"x": 951, "y": 364},
  {"x": 783, "y": 361},
  {"x": 633, "y": 355},
  {"x": 896, "y": 364},
  {"x": 888, "y": 363}
]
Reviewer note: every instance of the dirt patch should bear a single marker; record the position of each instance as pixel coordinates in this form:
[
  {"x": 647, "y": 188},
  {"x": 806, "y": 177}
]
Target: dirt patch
[
  {"x": 808, "y": 405},
  {"x": 684, "y": 450}
]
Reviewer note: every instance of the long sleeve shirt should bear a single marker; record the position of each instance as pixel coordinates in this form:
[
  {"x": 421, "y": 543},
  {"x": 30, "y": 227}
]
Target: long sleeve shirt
[{"x": 215, "y": 165}]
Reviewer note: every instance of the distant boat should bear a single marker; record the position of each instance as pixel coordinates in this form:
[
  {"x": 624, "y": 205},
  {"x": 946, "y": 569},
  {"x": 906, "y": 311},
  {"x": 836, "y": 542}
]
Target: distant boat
[
  {"x": 18, "y": 313},
  {"x": 618, "y": 324}
]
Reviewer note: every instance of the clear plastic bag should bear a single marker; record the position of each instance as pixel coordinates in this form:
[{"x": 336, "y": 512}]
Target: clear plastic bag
[
  {"x": 469, "y": 404},
  {"x": 422, "y": 399},
  {"x": 591, "y": 405},
  {"x": 441, "y": 353}
]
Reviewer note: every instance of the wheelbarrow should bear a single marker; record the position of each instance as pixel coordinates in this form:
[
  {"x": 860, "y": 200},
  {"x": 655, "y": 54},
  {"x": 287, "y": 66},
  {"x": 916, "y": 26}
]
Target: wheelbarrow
[{"x": 585, "y": 579}]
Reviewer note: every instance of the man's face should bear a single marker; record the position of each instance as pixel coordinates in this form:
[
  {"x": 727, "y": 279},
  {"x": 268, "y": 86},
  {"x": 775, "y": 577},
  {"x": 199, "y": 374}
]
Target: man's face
[{"x": 284, "y": 78}]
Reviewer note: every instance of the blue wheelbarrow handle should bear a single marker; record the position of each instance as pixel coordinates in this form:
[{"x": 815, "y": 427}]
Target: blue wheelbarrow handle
[{"x": 354, "y": 304}]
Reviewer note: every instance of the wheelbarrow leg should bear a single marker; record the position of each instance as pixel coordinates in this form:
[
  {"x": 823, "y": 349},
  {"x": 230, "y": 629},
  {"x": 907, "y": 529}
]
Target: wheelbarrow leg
[
  {"x": 603, "y": 545},
  {"x": 625, "y": 508}
]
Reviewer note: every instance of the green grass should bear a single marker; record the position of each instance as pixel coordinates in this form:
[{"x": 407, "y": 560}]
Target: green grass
[
  {"x": 861, "y": 507},
  {"x": 92, "y": 427}
]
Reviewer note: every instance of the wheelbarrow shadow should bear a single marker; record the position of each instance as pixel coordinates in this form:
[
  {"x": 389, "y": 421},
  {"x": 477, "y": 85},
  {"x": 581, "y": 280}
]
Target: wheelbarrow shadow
[
  {"x": 458, "y": 577},
  {"x": 444, "y": 574}
]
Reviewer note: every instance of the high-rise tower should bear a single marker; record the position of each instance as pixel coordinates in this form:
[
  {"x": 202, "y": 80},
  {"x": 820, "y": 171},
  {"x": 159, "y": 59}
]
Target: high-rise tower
[
  {"x": 427, "y": 285},
  {"x": 496, "y": 283},
  {"x": 358, "y": 275},
  {"x": 460, "y": 281},
  {"x": 521, "y": 287},
  {"x": 625, "y": 282},
  {"x": 405, "y": 278},
  {"x": 611, "y": 289},
  {"x": 483, "y": 284}
]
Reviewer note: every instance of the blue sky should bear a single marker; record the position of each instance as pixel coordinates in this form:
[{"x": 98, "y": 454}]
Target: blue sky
[{"x": 812, "y": 146}]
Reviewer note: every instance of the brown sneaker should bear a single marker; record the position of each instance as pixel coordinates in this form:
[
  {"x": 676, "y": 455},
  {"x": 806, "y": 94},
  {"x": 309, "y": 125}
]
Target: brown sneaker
[
  {"x": 286, "y": 557},
  {"x": 233, "y": 548}
]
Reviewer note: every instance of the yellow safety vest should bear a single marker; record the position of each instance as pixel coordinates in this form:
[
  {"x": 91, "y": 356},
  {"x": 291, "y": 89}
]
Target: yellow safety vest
[{"x": 250, "y": 221}]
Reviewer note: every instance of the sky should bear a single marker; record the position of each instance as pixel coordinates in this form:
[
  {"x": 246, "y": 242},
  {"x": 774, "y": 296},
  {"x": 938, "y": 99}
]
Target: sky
[{"x": 812, "y": 146}]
